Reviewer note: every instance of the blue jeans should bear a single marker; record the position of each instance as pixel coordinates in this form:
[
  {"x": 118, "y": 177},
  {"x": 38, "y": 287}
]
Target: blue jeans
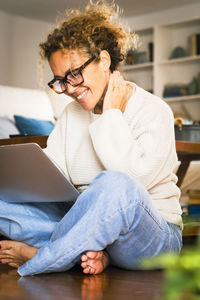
[{"x": 115, "y": 213}]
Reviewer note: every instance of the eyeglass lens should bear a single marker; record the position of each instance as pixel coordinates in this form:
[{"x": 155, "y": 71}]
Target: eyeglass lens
[{"x": 74, "y": 78}]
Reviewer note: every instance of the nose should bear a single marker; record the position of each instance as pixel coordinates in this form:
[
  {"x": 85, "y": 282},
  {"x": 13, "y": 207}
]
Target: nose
[{"x": 70, "y": 89}]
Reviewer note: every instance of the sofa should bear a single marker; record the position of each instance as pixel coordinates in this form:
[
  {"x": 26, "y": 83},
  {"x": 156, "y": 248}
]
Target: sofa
[{"x": 25, "y": 112}]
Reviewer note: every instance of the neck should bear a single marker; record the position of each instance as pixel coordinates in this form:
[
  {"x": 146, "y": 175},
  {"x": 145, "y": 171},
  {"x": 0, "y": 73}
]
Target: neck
[{"x": 99, "y": 106}]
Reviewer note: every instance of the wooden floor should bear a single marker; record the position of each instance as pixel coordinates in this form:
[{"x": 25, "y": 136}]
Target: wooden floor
[{"x": 113, "y": 284}]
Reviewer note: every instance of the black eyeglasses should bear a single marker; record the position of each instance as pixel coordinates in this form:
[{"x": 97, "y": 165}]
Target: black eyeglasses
[{"x": 73, "y": 77}]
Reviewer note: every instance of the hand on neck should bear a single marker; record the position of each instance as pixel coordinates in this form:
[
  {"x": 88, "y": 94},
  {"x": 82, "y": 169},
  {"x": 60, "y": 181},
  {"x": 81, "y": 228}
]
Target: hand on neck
[{"x": 99, "y": 106}]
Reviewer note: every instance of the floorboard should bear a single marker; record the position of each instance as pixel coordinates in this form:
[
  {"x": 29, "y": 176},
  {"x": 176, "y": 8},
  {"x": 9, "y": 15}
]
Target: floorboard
[{"x": 113, "y": 284}]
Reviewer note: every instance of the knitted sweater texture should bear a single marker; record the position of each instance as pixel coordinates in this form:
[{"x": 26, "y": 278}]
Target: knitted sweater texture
[{"x": 139, "y": 142}]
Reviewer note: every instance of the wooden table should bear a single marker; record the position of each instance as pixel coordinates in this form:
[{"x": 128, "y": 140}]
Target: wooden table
[
  {"x": 39, "y": 139},
  {"x": 187, "y": 152}
]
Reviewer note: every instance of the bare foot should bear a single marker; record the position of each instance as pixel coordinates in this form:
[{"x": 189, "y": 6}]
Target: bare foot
[
  {"x": 15, "y": 253},
  {"x": 94, "y": 262}
]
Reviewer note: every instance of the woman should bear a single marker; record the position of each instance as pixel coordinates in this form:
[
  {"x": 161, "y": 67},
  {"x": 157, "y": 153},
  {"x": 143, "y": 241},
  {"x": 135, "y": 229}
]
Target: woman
[{"x": 116, "y": 144}]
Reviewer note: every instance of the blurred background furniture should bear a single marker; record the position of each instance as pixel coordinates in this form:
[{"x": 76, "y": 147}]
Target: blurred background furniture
[
  {"x": 187, "y": 152},
  {"x": 36, "y": 108}
]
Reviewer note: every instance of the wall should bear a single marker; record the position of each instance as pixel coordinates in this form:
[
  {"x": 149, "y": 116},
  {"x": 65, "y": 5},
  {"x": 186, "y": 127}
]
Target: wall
[
  {"x": 166, "y": 16},
  {"x": 27, "y": 34},
  {"x": 19, "y": 50},
  {"x": 19, "y": 54},
  {"x": 5, "y": 48},
  {"x": 20, "y": 38}
]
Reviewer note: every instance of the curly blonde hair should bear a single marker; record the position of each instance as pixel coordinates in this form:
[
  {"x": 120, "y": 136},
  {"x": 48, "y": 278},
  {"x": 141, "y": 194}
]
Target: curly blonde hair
[{"x": 95, "y": 29}]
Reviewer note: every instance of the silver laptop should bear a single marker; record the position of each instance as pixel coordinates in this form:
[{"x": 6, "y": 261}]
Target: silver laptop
[{"x": 28, "y": 175}]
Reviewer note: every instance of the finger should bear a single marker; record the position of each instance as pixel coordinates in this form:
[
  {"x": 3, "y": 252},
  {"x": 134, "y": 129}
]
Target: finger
[
  {"x": 116, "y": 73},
  {"x": 116, "y": 79},
  {"x": 121, "y": 81},
  {"x": 111, "y": 82}
]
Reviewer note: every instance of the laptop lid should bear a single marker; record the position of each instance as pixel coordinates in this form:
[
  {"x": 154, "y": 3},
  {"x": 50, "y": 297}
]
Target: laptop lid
[{"x": 28, "y": 175}]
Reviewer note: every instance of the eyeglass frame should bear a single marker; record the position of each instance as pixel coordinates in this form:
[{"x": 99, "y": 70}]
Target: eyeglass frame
[{"x": 65, "y": 80}]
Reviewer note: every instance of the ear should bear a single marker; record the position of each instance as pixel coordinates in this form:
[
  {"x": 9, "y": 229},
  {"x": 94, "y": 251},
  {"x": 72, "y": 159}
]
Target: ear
[{"x": 105, "y": 60}]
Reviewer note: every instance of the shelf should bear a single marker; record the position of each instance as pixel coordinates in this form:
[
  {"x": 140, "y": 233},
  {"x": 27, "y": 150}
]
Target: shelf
[
  {"x": 163, "y": 71},
  {"x": 180, "y": 60},
  {"x": 183, "y": 98},
  {"x": 146, "y": 65},
  {"x": 183, "y": 24}
]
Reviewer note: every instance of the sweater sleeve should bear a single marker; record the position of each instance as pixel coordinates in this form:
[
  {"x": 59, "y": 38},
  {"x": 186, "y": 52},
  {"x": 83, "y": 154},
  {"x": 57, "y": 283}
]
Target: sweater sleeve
[{"x": 143, "y": 150}]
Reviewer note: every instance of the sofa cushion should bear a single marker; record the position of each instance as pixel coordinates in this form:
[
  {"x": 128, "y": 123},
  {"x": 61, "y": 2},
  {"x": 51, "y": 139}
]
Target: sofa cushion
[
  {"x": 25, "y": 102},
  {"x": 30, "y": 126},
  {"x": 7, "y": 127}
]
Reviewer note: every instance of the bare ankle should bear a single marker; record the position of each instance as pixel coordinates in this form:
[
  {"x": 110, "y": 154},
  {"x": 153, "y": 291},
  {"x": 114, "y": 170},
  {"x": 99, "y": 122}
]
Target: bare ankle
[{"x": 105, "y": 259}]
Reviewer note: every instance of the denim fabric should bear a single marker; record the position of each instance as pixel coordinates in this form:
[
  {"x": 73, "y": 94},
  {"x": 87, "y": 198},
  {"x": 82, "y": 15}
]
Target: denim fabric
[
  {"x": 32, "y": 224},
  {"x": 115, "y": 213}
]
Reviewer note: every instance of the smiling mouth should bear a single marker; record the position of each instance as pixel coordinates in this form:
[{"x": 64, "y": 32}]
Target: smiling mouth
[{"x": 79, "y": 97}]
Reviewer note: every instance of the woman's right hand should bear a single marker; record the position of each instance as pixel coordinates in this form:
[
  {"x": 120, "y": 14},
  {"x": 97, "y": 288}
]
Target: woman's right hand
[{"x": 116, "y": 95}]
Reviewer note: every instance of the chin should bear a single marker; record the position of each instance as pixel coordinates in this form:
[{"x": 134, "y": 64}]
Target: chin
[{"x": 87, "y": 107}]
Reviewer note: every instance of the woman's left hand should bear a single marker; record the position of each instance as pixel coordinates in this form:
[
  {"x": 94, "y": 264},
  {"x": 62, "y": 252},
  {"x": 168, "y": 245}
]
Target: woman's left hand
[{"x": 116, "y": 95}]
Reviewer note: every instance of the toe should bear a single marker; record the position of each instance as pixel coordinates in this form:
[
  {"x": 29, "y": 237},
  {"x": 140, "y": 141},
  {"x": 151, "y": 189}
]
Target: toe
[
  {"x": 14, "y": 265},
  {"x": 84, "y": 257},
  {"x": 99, "y": 255},
  {"x": 5, "y": 245},
  {"x": 84, "y": 265},
  {"x": 5, "y": 255},
  {"x": 5, "y": 260},
  {"x": 86, "y": 270},
  {"x": 94, "y": 254},
  {"x": 94, "y": 263},
  {"x": 92, "y": 271}
]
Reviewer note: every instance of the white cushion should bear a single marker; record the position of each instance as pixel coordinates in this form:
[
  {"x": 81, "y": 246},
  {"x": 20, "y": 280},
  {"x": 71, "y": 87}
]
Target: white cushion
[
  {"x": 7, "y": 127},
  {"x": 26, "y": 102}
]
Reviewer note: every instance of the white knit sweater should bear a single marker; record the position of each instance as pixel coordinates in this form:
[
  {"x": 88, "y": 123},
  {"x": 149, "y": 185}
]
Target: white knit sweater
[{"x": 139, "y": 142}]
